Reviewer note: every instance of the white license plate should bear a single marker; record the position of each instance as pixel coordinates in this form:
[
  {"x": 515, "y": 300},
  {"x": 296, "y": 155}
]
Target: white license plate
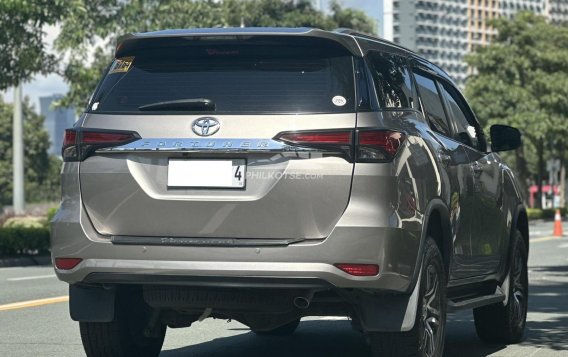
[{"x": 207, "y": 173}]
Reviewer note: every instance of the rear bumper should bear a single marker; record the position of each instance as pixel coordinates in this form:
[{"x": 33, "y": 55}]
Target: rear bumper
[
  {"x": 394, "y": 250},
  {"x": 356, "y": 239}
]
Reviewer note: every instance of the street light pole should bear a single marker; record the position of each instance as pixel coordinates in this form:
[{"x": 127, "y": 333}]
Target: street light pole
[{"x": 18, "y": 153}]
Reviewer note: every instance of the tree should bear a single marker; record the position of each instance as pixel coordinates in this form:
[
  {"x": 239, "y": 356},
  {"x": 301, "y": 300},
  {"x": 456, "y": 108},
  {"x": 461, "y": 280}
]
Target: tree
[
  {"x": 23, "y": 51},
  {"x": 522, "y": 80},
  {"x": 41, "y": 171},
  {"x": 98, "y": 23}
]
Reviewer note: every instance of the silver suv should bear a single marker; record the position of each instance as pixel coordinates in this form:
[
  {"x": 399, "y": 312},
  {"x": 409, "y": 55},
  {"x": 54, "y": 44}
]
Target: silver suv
[{"x": 267, "y": 174}]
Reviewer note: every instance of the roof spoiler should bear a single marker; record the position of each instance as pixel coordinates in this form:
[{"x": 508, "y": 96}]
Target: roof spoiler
[{"x": 129, "y": 42}]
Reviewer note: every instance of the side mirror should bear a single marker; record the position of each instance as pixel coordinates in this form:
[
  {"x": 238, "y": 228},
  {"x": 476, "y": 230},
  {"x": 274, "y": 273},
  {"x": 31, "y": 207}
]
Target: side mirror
[{"x": 504, "y": 138}]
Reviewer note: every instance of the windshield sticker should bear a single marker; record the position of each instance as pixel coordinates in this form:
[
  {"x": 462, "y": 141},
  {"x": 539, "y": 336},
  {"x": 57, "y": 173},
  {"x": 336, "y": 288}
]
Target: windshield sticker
[
  {"x": 121, "y": 65},
  {"x": 339, "y": 100}
]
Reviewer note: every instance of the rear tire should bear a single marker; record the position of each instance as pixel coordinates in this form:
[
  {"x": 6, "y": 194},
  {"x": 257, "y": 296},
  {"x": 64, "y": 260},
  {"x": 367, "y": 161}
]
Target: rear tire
[
  {"x": 506, "y": 324},
  {"x": 125, "y": 336},
  {"x": 426, "y": 339},
  {"x": 284, "y": 330}
]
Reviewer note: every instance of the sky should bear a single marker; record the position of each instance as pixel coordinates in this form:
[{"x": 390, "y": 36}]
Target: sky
[{"x": 41, "y": 86}]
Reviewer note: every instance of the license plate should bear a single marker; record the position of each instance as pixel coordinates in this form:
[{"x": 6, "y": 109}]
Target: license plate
[{"x": 207, "y": 173}]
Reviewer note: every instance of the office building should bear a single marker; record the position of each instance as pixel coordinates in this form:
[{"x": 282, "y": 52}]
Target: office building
[
  {"x": 444, "y": 31},
  {"x": 56, "y": 120}
]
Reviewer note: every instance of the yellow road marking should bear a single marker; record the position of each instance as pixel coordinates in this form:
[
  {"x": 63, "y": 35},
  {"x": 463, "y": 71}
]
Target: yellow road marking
[
  {"x": 33, "y": 303},
  {"x": 544, "y": 239}
]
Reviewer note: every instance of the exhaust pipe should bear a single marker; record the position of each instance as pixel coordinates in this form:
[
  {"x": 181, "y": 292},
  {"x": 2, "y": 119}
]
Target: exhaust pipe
[{"x": 303, "y": 302}]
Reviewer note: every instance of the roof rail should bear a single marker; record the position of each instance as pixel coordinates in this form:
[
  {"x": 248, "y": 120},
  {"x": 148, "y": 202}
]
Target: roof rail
[
  {"x": 348, "y": 31},
  {"x": 351, "y": 32}
]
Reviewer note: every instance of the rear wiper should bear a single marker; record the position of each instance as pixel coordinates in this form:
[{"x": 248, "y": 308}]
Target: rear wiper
[{"x": 197, "y": 104}]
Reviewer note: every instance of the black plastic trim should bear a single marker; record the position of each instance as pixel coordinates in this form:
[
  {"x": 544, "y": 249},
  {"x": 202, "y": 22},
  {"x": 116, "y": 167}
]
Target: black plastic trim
[{"x": 208, "y": 281}]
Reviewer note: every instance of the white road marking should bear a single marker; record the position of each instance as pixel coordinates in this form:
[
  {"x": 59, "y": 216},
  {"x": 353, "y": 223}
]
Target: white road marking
[
  {"x": 333, "y": 318},
  {"x": 565, "y": 245},
  {"x": 32, "y": 277}
]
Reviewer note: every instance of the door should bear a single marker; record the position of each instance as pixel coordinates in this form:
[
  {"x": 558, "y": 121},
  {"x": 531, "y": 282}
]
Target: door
[
  {"x": 487, "y": 231},
  {"x": 259, "y": 90},
  {"x": 455, "y": 173}
]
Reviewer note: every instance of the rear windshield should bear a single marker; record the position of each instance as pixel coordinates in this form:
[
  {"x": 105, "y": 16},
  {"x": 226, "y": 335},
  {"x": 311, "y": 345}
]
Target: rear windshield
[{"x": 237, "y": 77}]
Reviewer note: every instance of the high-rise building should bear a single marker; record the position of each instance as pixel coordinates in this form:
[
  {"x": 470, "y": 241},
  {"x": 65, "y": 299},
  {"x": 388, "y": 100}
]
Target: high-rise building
[
  {"x": 556, "y": 10},
  {"x": 56, "y": 120},
  {"x": 444, "y": 31}
]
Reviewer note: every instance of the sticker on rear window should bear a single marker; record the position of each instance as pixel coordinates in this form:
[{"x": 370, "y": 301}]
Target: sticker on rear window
[
  {"x": 339, "y": 100},
  {"x": 121, "y": 65}
]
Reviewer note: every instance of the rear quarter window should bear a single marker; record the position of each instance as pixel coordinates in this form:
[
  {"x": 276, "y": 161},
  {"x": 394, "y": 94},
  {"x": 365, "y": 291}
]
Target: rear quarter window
[{"x": 391, "y": 79}]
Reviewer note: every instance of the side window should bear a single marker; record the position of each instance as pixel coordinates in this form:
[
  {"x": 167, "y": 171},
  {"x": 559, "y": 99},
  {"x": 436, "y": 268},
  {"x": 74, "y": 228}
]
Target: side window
[
  {"x": 392, "y": 80},
  {"x": 468, "y": 131},
  {"x": 432, "y": 103}
]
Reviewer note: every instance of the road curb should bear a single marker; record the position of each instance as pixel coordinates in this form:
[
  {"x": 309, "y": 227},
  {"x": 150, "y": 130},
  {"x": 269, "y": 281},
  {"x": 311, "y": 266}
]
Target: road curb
[{"x": 25, "y": 261}]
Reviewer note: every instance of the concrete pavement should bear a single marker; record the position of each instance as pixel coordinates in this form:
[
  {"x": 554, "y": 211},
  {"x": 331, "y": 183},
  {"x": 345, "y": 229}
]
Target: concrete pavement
[{"x": 44, "y": 328}]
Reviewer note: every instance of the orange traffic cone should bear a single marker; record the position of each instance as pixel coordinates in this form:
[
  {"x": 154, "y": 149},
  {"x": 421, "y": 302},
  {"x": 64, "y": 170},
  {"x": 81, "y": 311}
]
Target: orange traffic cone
[{"x": 557, "y": 224}]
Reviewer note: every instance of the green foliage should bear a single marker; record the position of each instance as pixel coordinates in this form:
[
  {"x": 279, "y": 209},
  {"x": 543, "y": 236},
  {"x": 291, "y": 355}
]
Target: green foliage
[
  {"x": 99, "y": 23},
  {"x": 25, "y": 222},
  {"x": 41, "y": 171},
  {"x": 24, "y": 241},
  {"x": 51, "y": 213},
  {"x": 537, "y": 213},
  {"x": 21, "y": 39},
  {"x": 522, "y": 80}
]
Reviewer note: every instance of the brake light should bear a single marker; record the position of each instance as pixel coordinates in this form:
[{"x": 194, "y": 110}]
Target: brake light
[
  {"x": 103, "y": 138},
  {"x": 369, "y": 145},
  {"x": 79, "y": 143},
  {"x": 378, "y": 145},
  {"x": 359, "y": 269},
  {"x": 67, "y": 263},
  {"x": 317, "y": 138},
  {"x": 70, "y": 137},
  {"x": 336, "y": 141}
]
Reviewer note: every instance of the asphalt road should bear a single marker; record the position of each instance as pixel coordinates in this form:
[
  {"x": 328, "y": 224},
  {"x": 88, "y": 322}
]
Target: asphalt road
[{"x": 43, "y": 327}]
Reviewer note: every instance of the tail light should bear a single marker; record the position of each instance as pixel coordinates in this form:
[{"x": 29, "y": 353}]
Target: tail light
[
  {"x": 337, "y": 141},
  {"x": 378, "y": 145},
  {"x": 317, "y": 138},
  {"x": 80, "y": 143},
  {"x": 363, "y": 145}
]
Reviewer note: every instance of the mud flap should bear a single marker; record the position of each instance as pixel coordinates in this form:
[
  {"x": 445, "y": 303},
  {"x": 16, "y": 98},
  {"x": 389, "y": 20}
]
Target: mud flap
[
  {"x": 91, "y": 303},
  {"x": 388, "y": 313}
]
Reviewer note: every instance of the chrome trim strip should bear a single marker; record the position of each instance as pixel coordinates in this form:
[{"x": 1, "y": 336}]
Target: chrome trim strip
[
  {"x": 207, "y": 145},
  {"x": 203, "y": 242}
]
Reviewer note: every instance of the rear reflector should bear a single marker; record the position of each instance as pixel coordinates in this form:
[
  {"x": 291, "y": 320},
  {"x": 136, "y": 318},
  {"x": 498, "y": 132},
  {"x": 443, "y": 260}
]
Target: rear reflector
[
  {"x": 359, "y": 269},
  {"x": 67, "y": 263}
]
